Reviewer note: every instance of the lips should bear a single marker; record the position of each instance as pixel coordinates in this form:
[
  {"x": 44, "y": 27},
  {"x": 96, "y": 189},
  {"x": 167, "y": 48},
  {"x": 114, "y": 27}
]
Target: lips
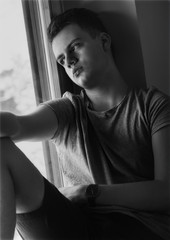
[{"x": 77, "y": 71}]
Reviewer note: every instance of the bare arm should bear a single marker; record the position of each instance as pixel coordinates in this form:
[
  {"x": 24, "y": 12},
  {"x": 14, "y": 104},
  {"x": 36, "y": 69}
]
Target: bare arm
[
  {"x": 150, "y": 195},
  {"x": 36, "y": 126}
]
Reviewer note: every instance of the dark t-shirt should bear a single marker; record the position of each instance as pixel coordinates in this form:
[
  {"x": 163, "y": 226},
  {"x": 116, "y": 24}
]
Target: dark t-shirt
[{"x": 112, "y": 146}]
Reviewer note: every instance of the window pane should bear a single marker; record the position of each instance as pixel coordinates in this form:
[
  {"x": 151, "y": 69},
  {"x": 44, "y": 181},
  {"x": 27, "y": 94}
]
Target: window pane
[{"x": 16, "y": 84}]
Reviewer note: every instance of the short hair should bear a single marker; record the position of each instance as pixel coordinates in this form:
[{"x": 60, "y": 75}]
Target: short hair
[{"x": 85, "y": 18}]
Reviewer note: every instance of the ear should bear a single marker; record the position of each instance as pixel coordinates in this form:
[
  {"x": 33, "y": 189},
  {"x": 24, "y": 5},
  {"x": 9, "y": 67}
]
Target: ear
[{"x": 105, "y": 40}]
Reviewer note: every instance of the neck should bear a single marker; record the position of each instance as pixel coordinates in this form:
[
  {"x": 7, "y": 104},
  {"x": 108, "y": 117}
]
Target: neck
[{"x": 109, "y": 92}]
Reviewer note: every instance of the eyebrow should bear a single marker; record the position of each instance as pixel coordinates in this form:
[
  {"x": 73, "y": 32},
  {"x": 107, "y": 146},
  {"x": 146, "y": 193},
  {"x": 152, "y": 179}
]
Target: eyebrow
[{"x": 74, "y": 40}]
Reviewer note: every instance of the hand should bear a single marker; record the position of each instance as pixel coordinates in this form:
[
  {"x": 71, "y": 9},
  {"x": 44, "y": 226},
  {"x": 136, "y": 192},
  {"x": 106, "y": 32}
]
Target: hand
[{"x": 76, "y": 194}]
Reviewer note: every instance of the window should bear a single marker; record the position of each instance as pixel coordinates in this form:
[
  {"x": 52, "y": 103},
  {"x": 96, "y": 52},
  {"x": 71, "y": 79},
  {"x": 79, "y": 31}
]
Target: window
[
  {"x": 27, "y": 70},
  {"x": 16, "y": 88}
]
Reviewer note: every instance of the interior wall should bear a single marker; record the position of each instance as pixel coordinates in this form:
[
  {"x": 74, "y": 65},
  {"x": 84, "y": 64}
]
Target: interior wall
[
  {"x": 153, "y": 19},
  {"x": 120, "y": 19}
]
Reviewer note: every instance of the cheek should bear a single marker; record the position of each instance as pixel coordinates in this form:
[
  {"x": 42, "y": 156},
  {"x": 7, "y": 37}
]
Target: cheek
[
  {"x": 94, "y": 55},
  {"x": 69, "y": 73},
  {"x": 88, "y": 59}
]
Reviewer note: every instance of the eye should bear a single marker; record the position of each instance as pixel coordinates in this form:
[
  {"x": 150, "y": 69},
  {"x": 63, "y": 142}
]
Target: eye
[
  {"x": 75, "y": 46},
  {"x": 61, "y": 61}
]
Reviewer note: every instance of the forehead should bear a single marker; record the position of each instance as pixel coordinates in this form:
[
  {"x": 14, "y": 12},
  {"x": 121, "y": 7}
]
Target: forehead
[{"x": 66, "y": 36}]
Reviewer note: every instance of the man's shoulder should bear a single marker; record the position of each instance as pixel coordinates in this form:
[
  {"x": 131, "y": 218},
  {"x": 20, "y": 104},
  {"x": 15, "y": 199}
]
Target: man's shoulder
[
  {"x": 75, "y": 99},
  {"x": 71, "y": 96},
  {"x": 150, "y": 94}
]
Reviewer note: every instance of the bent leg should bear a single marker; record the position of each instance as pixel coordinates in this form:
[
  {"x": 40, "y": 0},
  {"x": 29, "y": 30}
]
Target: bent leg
[
  {"x": 40, "y": 216},
  {"x": 57, "y": 218},
  {"x": 22, "y": 186}
]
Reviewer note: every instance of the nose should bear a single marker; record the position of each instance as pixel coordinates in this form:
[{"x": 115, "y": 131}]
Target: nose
[{"x": 71, "y": 61}]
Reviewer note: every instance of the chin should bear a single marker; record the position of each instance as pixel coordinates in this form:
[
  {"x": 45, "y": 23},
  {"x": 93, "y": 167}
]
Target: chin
[{"x": 83, "y": 82}]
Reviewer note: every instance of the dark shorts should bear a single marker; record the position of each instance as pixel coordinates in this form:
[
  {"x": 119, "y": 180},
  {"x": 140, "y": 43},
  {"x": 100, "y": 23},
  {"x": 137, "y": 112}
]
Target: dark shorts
[{"x": 58, "y": 218}]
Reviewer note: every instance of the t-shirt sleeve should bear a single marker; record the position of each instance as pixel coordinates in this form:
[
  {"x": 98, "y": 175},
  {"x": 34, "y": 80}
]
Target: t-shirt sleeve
[
  {"x": 64, "y": 112},
  {"x": 159, "y": 110}
]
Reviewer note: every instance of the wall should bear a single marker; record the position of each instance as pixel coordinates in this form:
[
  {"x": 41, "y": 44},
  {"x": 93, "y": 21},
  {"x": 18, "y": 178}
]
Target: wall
[{"x": 153, "y": 19}]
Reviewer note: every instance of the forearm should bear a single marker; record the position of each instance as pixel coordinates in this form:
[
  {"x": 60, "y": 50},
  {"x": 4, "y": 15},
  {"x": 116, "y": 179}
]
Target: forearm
[
  {"x": 149, "y": 195},
  {"x": 8, "y": 124}
]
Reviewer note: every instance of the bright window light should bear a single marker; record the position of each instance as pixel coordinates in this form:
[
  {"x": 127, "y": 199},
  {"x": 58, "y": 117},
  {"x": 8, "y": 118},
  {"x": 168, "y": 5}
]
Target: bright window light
[{"x": 16, "y": 84}]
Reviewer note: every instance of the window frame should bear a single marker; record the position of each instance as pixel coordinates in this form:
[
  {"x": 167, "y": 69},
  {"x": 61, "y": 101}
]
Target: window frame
[{"x": 44, "y": 71}]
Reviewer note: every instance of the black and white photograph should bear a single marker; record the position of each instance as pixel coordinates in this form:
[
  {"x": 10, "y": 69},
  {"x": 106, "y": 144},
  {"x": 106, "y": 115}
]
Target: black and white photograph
[{"x": 84, "y": 120}]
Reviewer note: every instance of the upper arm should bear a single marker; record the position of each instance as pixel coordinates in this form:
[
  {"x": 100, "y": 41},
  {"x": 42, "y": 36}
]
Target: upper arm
[
  {"x": 161, "y": 151},
  {"x": 36, "y": 126}
]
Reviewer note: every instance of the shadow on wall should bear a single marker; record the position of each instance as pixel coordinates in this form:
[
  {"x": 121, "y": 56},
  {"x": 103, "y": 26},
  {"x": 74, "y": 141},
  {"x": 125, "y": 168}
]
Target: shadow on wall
[
  {"x": 126, "y": 47},
  {"x": 154, "y": 24}
]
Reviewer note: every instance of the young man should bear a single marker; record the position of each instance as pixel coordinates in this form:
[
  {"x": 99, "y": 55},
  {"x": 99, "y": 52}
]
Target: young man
[{"x": 112, "y": 142}]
